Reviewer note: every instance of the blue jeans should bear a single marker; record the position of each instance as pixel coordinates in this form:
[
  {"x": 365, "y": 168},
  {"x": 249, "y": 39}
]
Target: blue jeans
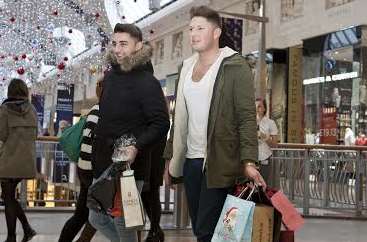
[
  {"x": 205, "y": 204},
  {"x": 114, "y": 228}
]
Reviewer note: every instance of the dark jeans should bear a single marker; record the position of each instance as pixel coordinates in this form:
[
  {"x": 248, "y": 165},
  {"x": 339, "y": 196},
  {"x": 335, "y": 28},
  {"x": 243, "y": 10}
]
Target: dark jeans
[
  {"x": 13, "y": 210},
  {"x": 80, "y": 217},
  {"x": 152, "y": 205},
  {"x": 205, "y": 204}
]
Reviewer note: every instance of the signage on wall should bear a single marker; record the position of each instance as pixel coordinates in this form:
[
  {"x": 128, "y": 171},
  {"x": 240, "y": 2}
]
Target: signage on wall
[
  {"x": 337, "y": 77},
  {"x": 295, "y": 97}
]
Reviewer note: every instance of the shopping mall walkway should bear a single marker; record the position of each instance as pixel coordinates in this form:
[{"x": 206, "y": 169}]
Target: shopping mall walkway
[{"x": 315, "y": 230}]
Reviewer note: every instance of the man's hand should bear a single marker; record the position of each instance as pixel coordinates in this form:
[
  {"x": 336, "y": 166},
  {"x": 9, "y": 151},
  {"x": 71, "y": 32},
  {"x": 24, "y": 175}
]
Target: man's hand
[
  {"x": 167, "y": 177},
  {"x": 251, "y": 172},
  {"x": 132, "y": 152}
]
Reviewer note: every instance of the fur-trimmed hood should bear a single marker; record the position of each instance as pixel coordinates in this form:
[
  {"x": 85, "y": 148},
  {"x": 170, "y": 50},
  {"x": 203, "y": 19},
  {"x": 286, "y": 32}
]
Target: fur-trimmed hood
[{"x": 139, "y": 58}]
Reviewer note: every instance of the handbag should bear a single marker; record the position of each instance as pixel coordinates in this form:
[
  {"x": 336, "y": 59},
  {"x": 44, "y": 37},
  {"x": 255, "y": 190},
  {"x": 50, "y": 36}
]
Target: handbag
[
  {"x": 235, "y": 221},
  {"x": 132, "y": 206},
  {"x": 71, "y": 139},
  {"x": 291, "y": 219},
  {"x": 102, "y": 192}
]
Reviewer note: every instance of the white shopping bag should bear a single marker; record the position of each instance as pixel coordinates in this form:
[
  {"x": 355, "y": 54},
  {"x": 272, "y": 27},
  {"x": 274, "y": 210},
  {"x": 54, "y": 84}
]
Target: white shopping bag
[{"x": 131, "y": 202}]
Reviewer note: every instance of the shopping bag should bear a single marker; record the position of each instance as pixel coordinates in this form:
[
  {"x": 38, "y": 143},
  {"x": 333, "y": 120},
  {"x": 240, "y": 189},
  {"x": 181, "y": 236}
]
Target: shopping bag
[
  {"x": 71, "y": 139},
  {"x": 262, "y": 227},
  {"x": 235, "y": 221},
  {"x": 131, "y": 201},
  {"x": 291, "y": 219},
  {"x": 102, "y": 192},
  {"x": 260, "y": 199},
  {"x": 286, "y": 236}
]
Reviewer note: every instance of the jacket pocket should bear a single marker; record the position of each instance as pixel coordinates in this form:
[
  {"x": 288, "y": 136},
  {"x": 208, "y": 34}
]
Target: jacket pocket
[{"x": 227, "y": 156}]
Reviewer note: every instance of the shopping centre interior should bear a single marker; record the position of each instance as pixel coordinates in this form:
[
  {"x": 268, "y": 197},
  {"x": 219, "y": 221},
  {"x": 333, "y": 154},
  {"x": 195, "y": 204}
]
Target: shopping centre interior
[{"x": 314, "y": 76}]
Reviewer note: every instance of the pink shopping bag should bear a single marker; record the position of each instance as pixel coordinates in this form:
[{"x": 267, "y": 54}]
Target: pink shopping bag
[{"x": 290, "y": 216}]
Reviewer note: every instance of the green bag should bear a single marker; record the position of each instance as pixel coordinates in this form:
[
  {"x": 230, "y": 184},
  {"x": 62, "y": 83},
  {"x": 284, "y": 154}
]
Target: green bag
[{"x": 71, "y": 139}]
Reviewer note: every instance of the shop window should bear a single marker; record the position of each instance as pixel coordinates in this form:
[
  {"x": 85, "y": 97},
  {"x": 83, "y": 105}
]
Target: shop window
[{"x": 332, "y": 87}]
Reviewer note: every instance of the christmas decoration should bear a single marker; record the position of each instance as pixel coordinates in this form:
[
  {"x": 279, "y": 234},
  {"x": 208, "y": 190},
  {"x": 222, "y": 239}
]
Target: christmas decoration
[
  {"x": 41, "y": 38},
  {"x": 61, "y": 66},
  {"x": 20, "y": 71}
]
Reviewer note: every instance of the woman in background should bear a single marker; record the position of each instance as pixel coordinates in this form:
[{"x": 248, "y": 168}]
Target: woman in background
[{"x": 18, "y": 133}]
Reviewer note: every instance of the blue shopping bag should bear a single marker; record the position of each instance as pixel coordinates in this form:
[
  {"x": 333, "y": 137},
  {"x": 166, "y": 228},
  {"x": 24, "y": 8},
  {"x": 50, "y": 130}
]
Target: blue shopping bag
[{"x": 235, "y": 221}]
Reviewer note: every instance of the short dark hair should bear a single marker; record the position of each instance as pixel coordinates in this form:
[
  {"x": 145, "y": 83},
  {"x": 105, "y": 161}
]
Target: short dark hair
[
  {"x": 208, "y": 13},
  {"x": 263, "y": 100},
  {"x": 131, "y": 29},
  {"x": 18, "y": 89}
]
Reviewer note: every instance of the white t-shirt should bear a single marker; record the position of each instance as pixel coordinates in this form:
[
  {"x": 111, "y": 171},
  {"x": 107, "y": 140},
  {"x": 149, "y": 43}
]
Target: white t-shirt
[
  {"x": 198, "y": 97},
  {"x": 268, "y": 127}
]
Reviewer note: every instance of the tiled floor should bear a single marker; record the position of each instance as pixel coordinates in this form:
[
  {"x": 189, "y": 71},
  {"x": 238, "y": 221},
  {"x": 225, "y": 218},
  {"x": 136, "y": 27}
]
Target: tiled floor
[{"x": 49, "y": 225}]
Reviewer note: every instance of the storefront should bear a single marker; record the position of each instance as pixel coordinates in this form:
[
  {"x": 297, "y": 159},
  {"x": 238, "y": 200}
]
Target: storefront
[{"x": 333, "y": 86}]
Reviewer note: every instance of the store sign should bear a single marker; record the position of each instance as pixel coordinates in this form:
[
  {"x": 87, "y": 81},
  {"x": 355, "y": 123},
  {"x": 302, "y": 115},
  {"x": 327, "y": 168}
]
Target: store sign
[
  {"x": 338, "y": 77},
  {"x": 295, "y": 97}
]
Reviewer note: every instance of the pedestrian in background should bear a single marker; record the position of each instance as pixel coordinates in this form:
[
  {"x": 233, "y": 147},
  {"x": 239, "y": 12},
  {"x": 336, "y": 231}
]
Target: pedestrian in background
[
  {"x": 267, "y": 133},
  {"x": 85, "y": 174},
  {"x": 18, "y": 133}
]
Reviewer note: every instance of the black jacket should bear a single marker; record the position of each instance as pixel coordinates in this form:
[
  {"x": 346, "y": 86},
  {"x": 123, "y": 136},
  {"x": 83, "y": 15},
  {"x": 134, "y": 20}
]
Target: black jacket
[{"x": 132, "y": 103}]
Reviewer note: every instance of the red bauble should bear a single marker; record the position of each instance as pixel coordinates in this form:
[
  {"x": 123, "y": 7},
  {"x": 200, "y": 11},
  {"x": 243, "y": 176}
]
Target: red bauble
[
  {"x": 97, "y": 15},
  {"x": 21, "y": 71},
  {"x": 12, "y": 19},
  {"x": 70, "y": 31},
  {"x": 16, "y": 58},
  {"x": 58, "y": 75},
  {"x": 55, "y": 12},
  {"x": 66, "y": 59},
  {"x": 61, "y": 66},
  {"x": 24, "y": 56}
]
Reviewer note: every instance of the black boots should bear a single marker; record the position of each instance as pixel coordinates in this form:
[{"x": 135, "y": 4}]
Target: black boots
[
  {"x": 155, "y": 235},
  {"x": 11, "y": 239},
  {"x": 28, "y": 234}
]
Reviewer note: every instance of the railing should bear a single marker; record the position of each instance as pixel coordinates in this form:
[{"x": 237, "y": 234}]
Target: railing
[
  {"x": 56, "y": 184},
  {"x": 329, "y": 178}
]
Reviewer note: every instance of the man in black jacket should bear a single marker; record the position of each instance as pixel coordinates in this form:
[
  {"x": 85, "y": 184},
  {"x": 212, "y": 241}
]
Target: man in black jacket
[{"x": 132, "y": 104}]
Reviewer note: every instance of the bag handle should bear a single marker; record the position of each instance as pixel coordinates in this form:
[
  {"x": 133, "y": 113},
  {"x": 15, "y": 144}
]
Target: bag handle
[{"x": 251, "y": 193}]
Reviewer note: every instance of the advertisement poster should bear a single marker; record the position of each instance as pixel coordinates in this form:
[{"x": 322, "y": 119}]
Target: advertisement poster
[
  {"x": 61, "y": 167},
  {"x": 328, "y": 129},
  {"x": 252, "y": 8},
  {"x": 64, "y": 119},
  {"x": 64, "y": 106},
  {"x": 231, "y": 34},
  {"x": 177, "y": 46},
  {"x": 38, "y": 101}
]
